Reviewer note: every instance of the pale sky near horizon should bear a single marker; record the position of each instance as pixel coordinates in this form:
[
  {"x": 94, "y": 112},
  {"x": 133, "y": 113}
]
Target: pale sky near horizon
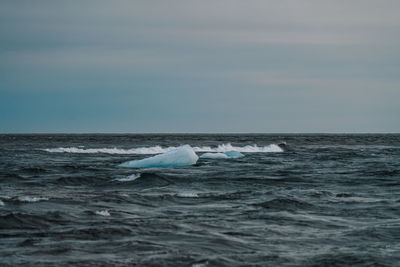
[{"x": 200, "y": 66}]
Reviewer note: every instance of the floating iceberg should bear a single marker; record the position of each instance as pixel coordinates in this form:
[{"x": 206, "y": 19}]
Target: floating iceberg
[
  {"x": 181, "y": 156},
  {"x": 226, "y": 155}
]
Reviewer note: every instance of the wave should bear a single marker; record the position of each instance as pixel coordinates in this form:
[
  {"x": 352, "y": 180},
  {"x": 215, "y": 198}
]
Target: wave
[
  {"x": 158, "y": 149},
  {"x": 284, "y": 203},
  {"x": 21, "y": 220},
  {"x": 187, "y": 195},
  {"x": 102, "y": 212},
  {"x": 130, "y": 178},
  {"x": 226, "y": 155},
  {"x": 245, "y": 149},
  {"x": 31, "y": 199}
]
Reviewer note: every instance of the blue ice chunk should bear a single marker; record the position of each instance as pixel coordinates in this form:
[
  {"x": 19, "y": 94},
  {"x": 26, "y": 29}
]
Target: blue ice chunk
[
  {"x": 214, "y": 156},
  {"x": 182, "y": 156},
  {"x": 234, "y": 154}
]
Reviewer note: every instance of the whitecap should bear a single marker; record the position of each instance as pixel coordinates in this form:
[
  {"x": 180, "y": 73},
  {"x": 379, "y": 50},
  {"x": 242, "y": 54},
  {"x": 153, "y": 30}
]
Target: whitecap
[
  {"x": 158, "y": 149},
  {"x": 246, "y": 149},
  {"x": 1, "y": 203},
  {"x": 226, "y": 155},
  {"x": 102, "y": 212},
  {"x": 129, "y": 178},
  {"x": 31, "y": 199},
  {"x": 140, "y": 150},
  {"x": 187, "y": 194}
]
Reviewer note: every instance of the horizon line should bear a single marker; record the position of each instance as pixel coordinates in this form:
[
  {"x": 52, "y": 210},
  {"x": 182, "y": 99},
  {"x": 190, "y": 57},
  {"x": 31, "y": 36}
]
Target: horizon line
[{"x": 193, "y": 133}]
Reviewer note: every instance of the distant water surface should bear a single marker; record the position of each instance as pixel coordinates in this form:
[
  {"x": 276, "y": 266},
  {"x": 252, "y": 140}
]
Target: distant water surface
[{"x": 292, "y": 200}]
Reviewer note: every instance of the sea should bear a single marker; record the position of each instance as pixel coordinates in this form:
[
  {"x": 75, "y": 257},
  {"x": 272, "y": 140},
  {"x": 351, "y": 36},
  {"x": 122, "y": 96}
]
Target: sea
[{"x": 292, "y": 200}]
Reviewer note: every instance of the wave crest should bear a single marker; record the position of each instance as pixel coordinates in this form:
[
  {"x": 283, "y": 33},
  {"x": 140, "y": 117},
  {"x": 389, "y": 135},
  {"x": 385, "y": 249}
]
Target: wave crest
[
  {"x": 31, "y": 199},
  {"x": 158, "y": 149},
  {"x": 130, "y": 178}
]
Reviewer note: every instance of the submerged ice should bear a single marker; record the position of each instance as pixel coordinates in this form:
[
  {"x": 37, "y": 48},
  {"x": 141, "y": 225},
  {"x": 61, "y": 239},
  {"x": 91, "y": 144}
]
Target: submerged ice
[
  {"x": 181, "y": 156},
  {"x": 234, "y": 154},
  {"x": 214, "y": 156}
]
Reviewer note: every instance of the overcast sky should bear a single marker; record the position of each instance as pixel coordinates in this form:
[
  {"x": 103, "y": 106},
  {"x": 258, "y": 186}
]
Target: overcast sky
[{"x": 200, "y": 66}]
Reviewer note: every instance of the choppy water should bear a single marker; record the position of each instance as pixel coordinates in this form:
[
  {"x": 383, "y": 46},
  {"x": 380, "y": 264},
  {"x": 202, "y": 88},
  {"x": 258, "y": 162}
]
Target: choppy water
[{"x": 325, "y": 200}]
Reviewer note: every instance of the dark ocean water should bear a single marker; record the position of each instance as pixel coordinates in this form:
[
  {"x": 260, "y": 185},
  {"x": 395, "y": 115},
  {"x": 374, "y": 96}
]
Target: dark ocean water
[{"x": 326, "y": 200}]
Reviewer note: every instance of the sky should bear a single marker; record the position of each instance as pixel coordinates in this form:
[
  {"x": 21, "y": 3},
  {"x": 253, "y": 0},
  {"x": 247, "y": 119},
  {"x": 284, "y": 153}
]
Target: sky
[{"x": 225, "y": 66}]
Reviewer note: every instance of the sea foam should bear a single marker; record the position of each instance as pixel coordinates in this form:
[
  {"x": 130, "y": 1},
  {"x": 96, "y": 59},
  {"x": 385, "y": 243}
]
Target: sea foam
[
  {"x": 188, "y": 194},
  {"x": 158, "y": 149},
  {"x": 140, "y": 150},
  {"x": 102, "y": 212},
  {"x": 31, "y": 199},
  {"x": 130, "y": 178},
  {"x": 219, "y": 155},
  {"x": 246, "y": 149}
]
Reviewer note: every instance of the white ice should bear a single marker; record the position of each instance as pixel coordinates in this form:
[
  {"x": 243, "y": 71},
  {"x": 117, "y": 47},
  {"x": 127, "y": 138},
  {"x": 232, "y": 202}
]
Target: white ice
[{"x": 181, "y": 156}]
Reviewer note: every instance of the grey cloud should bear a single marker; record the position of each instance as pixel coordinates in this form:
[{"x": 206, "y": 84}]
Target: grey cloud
[{"x": 205, "y": 65}]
